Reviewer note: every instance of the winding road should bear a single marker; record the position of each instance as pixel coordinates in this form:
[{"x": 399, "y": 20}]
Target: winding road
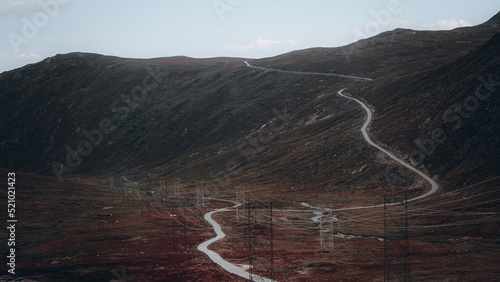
[
  {"x": 369, "y": 115},
  {"x": 310, "y": 73},
  {"x": 240, "y": 270},
  {"x": 215, "y": 257}
]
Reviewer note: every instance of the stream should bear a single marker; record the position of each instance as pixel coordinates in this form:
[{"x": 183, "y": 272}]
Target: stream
[{"x": 321, "y": 213}]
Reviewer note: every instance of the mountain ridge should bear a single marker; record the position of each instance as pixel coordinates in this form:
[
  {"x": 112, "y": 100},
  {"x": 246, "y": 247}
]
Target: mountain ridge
[
  {"x": 196, "y": 110},
  {"x": 115, "y": 157}
]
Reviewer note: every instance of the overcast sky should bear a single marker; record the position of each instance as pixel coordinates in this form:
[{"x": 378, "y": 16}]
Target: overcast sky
[{"x": 34, "y": 30}]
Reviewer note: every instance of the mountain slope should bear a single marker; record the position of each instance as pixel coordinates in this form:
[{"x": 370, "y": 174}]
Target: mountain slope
[
  {"x": 198, "y": 117},
  {"x": 392, "y": 53},
  {"x": 190, "y": 107},
  {"x": 446, "y": 119}
]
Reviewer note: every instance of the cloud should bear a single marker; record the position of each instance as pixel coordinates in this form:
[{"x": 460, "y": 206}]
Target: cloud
[
  {"x": 27, "y": 56},
  {"x": 264, "y": 43},
  {"x": 19, "y": 9},
  {"x": 259, "y": 44},
  {"x": 447, "y": 24}
]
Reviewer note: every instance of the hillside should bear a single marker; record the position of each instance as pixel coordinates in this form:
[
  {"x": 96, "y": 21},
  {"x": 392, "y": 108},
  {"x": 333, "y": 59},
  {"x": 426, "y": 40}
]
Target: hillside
[
  {"x": 393, "y": 53},
  {"x": 92, "y": 138},
  {"x": 447, "y": 117}
]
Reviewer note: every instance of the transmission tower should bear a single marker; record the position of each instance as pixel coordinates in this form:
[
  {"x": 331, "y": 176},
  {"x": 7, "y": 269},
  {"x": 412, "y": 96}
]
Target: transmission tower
[
  {"x": 240, "y": 199},
  {"x": 144, "y": 207},
  {"x": 176, "y": 225},
  {"x": 176, "y": 187},
  {"x": 200, "y": 194},
  {"x": 163, "y": 191},
  {"x": 396, "y": 240},
  {"x": 185, "y": 226},
  {"x": 259, "y": 236},
  {"x": 147, "y": 206},
  {"x": 326, "y": 231}
]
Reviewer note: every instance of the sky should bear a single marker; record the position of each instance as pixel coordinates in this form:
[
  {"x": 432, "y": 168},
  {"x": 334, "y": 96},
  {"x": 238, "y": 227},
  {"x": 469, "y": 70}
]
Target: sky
[{"x": 33, "y": 30}]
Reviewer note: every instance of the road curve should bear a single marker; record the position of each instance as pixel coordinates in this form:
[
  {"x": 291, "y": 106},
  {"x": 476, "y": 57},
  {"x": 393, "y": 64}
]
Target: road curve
[
  {"x": 215, "y": 257},
  {"x": 310, "y": 73},
  {"x": 369, "y": 115},
  {"x": 434, "y": 185},
  {"x": 241, "y": 271}
]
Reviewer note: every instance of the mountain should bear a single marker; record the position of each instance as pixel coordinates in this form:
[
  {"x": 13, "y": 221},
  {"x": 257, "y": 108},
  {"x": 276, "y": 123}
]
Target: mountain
[
  {"x": 450, "y": 116},
  {"x": 390, "y": 53},
  {"x": 277, "y": 130},
  {"x": 199, "y": 110},
  {"x": 192, "y": 110}
]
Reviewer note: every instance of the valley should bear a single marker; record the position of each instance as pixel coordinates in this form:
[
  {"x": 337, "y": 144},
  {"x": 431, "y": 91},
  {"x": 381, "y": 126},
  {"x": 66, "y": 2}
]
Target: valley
[{"x": 369, "y": 162}]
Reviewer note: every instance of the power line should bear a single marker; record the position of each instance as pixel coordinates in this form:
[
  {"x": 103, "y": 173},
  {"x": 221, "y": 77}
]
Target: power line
[
  {"x": 396, "y": 242},
  {"x": 254, "y": 231}
]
